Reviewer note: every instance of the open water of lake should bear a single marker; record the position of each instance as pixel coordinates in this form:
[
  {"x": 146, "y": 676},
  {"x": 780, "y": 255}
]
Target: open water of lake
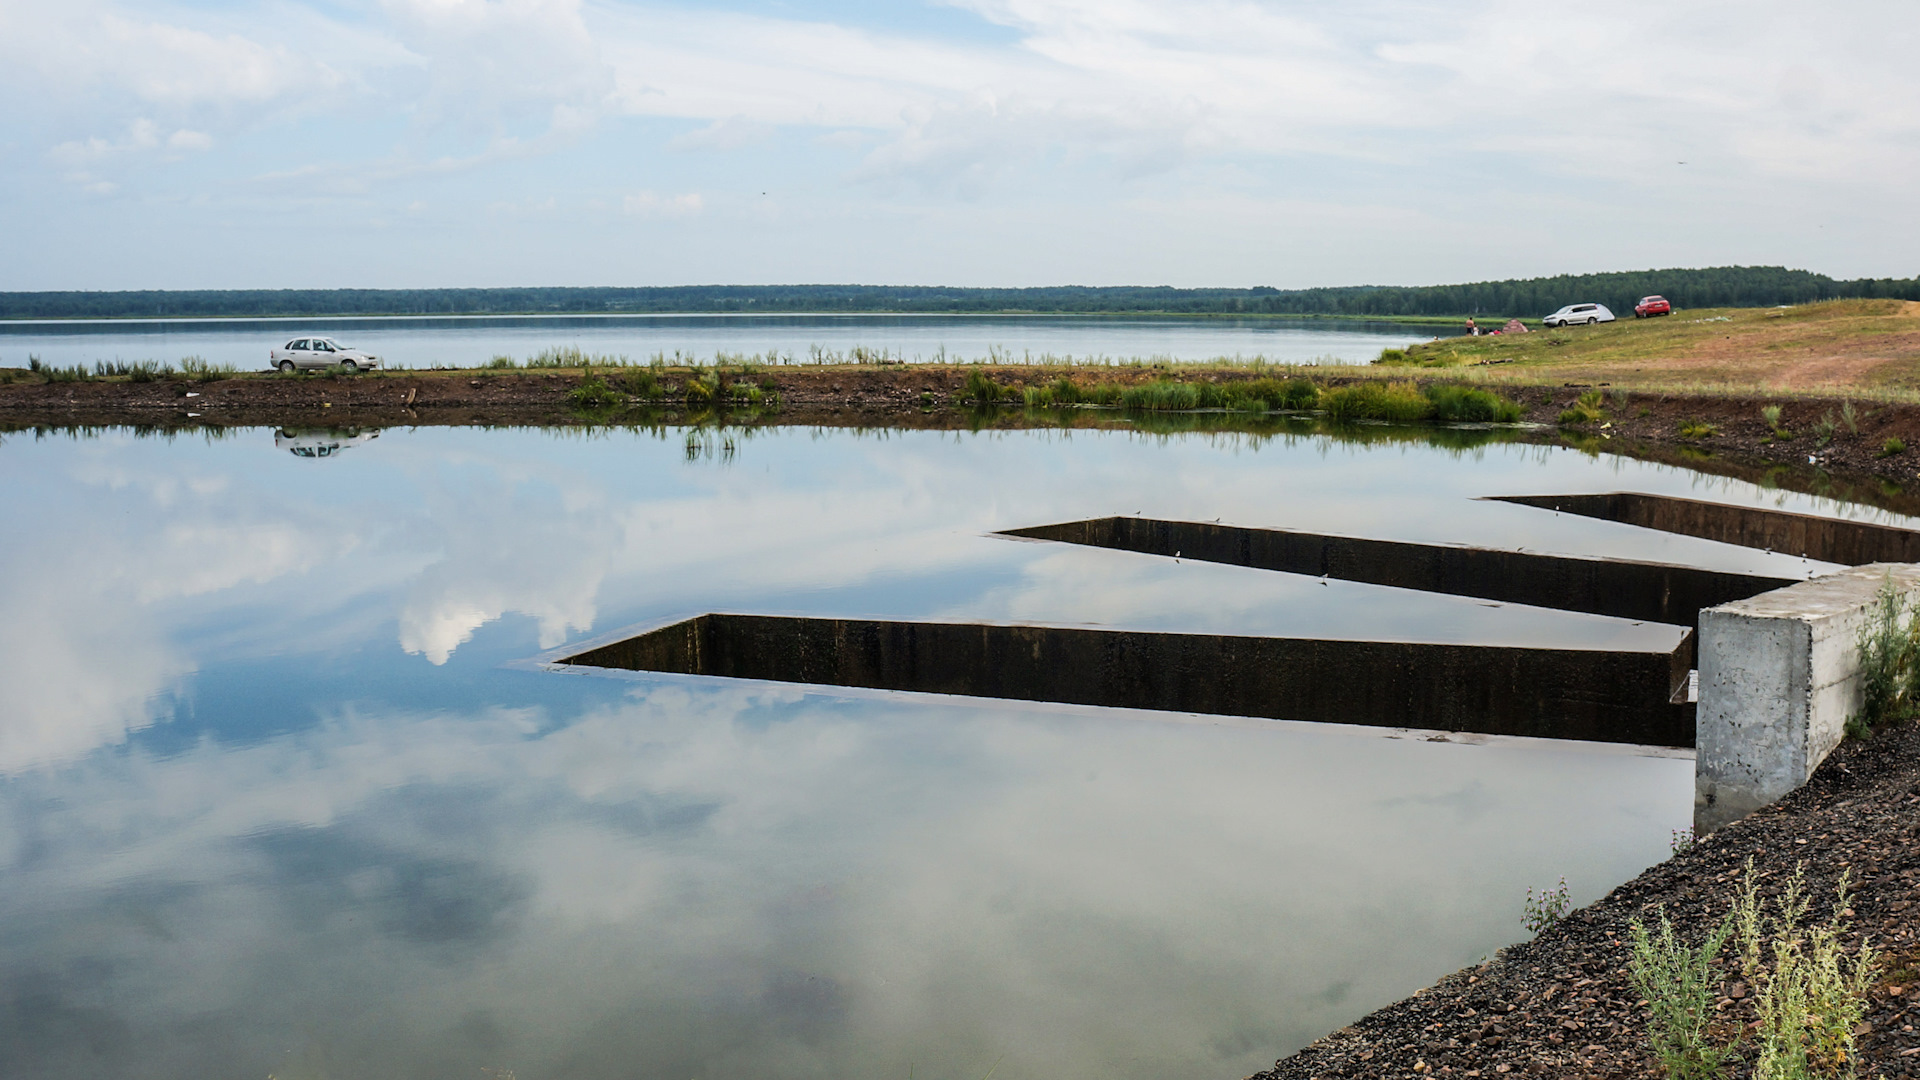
[
  {"x": 471, "y": 342},
  {"x": 274, "y": 800}
]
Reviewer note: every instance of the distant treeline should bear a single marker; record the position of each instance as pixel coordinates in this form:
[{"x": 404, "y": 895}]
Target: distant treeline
[{"x": 1721, "y": 286}]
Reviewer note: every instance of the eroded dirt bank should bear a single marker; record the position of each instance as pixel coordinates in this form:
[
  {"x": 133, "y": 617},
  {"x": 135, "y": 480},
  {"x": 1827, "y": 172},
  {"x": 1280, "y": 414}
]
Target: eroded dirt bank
[
  {"x": 1560, "y": 1005},
  {"x": 1713, "y": 433}
]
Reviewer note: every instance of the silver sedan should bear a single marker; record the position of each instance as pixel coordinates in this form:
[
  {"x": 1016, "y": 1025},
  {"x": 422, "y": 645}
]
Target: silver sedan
[{"x": 319, "y": 352}]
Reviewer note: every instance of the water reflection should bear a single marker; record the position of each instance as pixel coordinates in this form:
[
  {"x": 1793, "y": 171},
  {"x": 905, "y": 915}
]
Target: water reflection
[
  {"x": 716, "y": 883},
  {"x": 272, "y": 803},
  {"x": 321, "y": 442}
]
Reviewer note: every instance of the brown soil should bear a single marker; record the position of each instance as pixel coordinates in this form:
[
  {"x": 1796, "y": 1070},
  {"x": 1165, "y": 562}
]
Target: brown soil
[
  {"x": 1739, "y": 429},
  {"x": 927, "y": 396},
  {"x": 1560, "y": 1005}
]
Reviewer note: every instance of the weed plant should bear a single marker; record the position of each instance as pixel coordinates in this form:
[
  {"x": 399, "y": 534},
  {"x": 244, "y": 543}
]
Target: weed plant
[
  {"x": 567, "y": 356},
  {"x": 1376, "y": 401},
  {"x": 1889, "y": 646},
  {"x": 1850, "y": 418},
  {"x": 1585, "y": 410},
  {"x": 1824, "y": 429},
  {"x": 1893, "y": 445},
  {"x": 982, "y": 390},
  {"x": 1548, "y": 908},
  {"x": 76, "y": 373},
  {"x": 1697, "y": 429},
  {"x": 1811, "y": 990},
  {"x": 1679, "y": 984},
  {"x": 705, "y": 389},
  {"x": 593, "y": 393},
  {"x": 200, "y": 370},
  {"x": 1771, "y": 414},
  {"x": 1465, "y": 404},
  {"x": 642, "y": 382}
]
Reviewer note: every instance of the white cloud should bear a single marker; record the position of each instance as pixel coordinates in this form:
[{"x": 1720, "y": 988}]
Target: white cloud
[
  {"x": 88, "y": 46},
  {"x": 652, "y": 204},
  {"x": 730, "y": 133},
  {"x": 189, "y": 140},
  {"x": 1476, "y": 110}
]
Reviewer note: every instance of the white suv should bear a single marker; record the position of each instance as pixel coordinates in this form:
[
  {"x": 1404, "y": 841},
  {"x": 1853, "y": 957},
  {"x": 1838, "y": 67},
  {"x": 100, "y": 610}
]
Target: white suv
[
  {"x": 1575, "y": 314},
  {"x": 319, "y": 352}
]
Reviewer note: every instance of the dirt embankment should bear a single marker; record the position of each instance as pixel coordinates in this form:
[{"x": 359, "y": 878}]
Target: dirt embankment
[
  {"x": 1560, "y": 1005},
  {"x": 1810, "y": 431}
]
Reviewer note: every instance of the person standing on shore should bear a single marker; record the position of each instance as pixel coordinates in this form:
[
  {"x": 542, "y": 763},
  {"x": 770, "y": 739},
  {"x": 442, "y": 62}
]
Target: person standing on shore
[{"x": 1471, "y": 328}]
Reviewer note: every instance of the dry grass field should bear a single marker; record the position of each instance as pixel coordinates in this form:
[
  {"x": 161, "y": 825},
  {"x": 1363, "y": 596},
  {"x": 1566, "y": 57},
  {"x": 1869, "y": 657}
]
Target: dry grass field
[{"x": 1840, "y": 348}]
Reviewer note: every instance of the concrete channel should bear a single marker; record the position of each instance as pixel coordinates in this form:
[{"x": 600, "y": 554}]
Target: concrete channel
[{"x": 1600, "y": 695}]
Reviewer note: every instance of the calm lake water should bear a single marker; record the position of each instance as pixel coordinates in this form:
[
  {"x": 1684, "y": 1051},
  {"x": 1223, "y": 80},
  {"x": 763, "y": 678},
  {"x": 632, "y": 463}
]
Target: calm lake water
[
  {"x": 471, "y": 342},
  {"x": 275, "y": 797}
]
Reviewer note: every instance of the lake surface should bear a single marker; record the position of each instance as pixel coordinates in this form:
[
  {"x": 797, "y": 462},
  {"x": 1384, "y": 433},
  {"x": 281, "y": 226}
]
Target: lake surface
[
  {"x": 277, "y": 795},
  {"x": 423, "y": 342}
]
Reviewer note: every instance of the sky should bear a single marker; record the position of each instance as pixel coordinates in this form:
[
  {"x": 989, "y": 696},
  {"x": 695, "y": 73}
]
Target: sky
[{"x": 439, "y": 143}]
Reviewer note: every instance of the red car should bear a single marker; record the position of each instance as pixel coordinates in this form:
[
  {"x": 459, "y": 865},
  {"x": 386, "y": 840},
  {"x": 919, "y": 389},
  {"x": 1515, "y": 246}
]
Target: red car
[{"x": 1649, "y": 306}]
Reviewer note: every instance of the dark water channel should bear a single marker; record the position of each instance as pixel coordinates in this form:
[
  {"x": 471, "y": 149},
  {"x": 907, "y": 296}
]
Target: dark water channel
[{"x": 276, "y": 795}]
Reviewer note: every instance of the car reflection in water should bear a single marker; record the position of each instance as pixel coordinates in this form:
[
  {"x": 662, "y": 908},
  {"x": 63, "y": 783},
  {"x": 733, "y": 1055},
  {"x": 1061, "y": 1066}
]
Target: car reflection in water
[{"x": 320, "y": 442}]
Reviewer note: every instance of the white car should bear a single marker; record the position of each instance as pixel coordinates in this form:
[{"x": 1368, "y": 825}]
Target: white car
[
  {"x": 319, "y": 352},
  {"x": 1578, "y": 315}
]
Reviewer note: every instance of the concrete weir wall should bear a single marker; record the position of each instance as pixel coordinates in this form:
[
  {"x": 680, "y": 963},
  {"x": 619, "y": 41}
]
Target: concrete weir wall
[
  {"x": 1602, "y": 695},
  {"x": 1834, "y": 540},
  {"x": 1779, "y": 676},
  {"x": 1622, "y": 588}
]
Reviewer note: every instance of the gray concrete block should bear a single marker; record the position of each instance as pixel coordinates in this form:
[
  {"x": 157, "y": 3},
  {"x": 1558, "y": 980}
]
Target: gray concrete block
[{"x": 1779, "y": 676}]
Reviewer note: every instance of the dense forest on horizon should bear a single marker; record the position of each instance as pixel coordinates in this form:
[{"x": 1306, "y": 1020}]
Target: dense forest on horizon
[{"x": 1720, "y": 286}]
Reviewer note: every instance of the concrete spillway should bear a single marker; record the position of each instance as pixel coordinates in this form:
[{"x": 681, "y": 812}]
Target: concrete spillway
[
  {"x": 1850, "y": 543},
  {"x": 1601, "y": 695},
  {"x": 1780, "y": 665}
]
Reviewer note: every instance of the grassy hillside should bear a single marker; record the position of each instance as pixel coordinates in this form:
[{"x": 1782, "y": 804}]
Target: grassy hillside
[{"x": 1840, "y": 346}]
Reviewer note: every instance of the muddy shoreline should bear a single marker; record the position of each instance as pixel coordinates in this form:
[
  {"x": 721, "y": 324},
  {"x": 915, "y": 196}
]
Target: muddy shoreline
[
  {"x": 1852, "y": 465},
  {"x": 918, "y": 396},
  {"x": 1560, "y": 1005}
]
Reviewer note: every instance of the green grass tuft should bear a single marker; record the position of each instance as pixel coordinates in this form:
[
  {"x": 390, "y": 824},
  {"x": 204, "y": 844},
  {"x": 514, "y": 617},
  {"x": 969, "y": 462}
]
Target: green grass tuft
[
  {"x": 593, "y": 393},
  {"x": 1401, "y": 402},
  {"x": 1465, "y": 404}
]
